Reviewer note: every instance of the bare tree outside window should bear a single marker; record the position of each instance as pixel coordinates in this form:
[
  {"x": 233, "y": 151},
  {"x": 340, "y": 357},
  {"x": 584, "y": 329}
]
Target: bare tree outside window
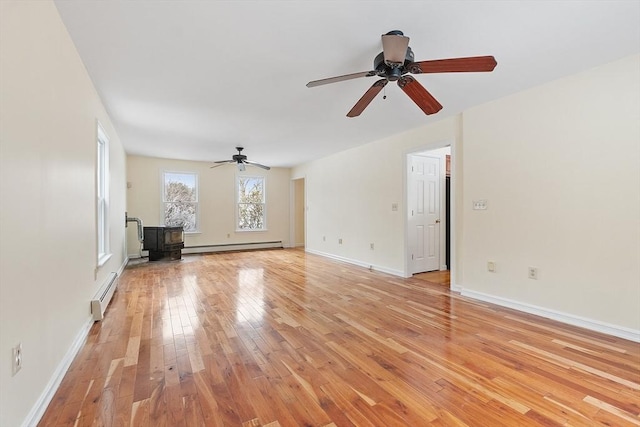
[
  {"x": 251, "y": 203},
  {"x": 180, "y": 198}
]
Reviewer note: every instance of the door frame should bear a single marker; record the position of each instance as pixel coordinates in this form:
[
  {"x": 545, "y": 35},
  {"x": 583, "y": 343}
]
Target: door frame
[
  {"x": 292, "y": 211},
  {"x": 453, "y": 226}
]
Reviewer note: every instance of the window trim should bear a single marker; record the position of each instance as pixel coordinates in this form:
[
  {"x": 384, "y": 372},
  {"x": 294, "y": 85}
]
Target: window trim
[
  {"x": 264, "y": 204},
  {"x": 103, "y": 249},
  {"x": 163, "y": 202}
]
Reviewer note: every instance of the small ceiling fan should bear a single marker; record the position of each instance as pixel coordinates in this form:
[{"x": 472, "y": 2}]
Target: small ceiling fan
[
  {"x": 396, "y": 61},
  {"x": 241, "y": 160}
]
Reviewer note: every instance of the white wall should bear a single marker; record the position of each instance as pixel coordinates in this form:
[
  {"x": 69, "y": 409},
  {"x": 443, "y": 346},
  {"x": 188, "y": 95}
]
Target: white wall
[
  {"x": 560, "y": 167},
  {"x": 350, "y": 197},
  {"x": 47, "y": 190},
  {"x": 216, "y": 199}
]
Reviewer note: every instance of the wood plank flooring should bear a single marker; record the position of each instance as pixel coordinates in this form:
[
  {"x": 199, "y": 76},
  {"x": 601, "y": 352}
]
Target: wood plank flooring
[
  {"x": 283, "y": 338},
  {"x": 436, "y": 277}
]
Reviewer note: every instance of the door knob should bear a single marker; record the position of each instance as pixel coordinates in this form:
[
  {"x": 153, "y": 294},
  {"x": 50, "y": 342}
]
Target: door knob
[{"x": 437, "y": 221}]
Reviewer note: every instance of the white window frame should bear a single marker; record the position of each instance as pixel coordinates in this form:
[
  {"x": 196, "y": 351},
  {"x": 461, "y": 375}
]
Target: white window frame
[
  {"x": 102, "y": 196},
  {"x": 163, "y": 202},
  {"x": 264, "y": 203}
]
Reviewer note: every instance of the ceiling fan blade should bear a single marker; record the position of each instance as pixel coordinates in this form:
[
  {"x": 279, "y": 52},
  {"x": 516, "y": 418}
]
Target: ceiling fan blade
[
  {"x": 336, "y": 79},
  {"x": 419, "y": 95},
  {"x": 394, "y": 47},
  {"x": 257, "y": 164},
  {"x": 367, "y": 98},
  {"x": 222, "y": 162},
  {"x": 454, "y": 65}
]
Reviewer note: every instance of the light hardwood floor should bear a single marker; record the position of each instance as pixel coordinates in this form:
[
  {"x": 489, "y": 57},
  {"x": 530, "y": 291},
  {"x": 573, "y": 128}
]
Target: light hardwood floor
[
  {"x": 436, "y": 277},
  {"x": 284, "y": 338}
]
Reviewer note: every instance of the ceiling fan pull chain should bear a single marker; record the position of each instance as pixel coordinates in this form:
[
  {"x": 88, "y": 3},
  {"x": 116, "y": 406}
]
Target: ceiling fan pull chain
[{"x": 384, "y": 93}]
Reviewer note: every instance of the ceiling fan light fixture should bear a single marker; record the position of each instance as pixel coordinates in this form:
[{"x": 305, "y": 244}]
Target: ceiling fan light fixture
[
  {"x": 241, "y": 167},
  {"x": 394, "y": 46}
]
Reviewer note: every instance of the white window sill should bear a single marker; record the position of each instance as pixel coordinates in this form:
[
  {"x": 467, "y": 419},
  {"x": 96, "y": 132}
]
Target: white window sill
[
  {"x": 247, "y": 230},
  {"x": 103, "y": 259}
]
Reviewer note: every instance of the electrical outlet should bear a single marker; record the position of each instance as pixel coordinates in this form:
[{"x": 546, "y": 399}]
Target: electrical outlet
[
  {"x": 394, "y": 207},
  {"x": 324, "y": 238},
  {"x": 533, "y": 273},
  {"x": 228, "y": 235},
  {"x": 17, "y": 359},
  {"x": 480, "y": 205},
  {"x": 339, "y": 241},
  {"x": 371, "y": 246},
  {"x": 491, "y": 266}
]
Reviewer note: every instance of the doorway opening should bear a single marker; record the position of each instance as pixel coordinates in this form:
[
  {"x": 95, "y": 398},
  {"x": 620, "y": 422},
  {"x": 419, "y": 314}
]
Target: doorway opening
[
  {"x": 298, "y": 217},
  {"x": 428, "y": 210}
]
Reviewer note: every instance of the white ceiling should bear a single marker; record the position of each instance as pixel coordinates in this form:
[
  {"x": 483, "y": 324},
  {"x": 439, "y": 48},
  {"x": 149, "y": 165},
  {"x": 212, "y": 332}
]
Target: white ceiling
[{"x": 193, "y": 79}]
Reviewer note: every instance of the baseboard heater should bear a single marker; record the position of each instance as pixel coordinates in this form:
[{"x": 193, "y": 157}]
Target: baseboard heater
[
  {"x": 231, "y": 247},
  {"x": 101, "y": 301}
]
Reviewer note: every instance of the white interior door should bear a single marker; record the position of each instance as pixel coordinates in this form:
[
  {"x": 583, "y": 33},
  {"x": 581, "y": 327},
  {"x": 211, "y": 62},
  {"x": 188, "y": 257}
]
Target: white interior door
[{"x": 423, "y": 184}]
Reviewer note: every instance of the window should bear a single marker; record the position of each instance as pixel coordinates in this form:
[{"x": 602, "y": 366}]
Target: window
[
  {"x": 251, "y": 203},
  {"x": 102, "y": 193},
  {"x": 180, "y": 200}
]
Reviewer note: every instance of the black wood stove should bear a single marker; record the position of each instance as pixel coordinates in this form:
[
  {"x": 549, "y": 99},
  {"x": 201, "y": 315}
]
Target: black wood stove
[{"x": 163, "y": 242}]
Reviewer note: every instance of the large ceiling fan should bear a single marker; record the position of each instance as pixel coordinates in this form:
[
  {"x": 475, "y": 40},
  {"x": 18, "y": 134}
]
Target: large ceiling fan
[
  {"x": 395, "y": 62},
  {"x": 241, "y": 160}
]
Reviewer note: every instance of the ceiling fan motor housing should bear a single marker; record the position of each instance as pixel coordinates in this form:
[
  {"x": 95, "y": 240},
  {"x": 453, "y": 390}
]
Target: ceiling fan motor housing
[
  {"x": 392, "y": 73},
  {"x": 239, "y": 157}
]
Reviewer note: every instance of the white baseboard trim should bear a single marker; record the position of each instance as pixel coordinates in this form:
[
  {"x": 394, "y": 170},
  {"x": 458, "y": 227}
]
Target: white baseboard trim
[
  {"x": 37, "y": 411},
  {"x": 231, "y": 247},
  {"x": 204, "y": 249},
  {"x": 455, "y": 288},
  {"x": 571, "y": 319},
  {"x": 382, "y": 269},
  {"x": 123, "y": 266}
]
